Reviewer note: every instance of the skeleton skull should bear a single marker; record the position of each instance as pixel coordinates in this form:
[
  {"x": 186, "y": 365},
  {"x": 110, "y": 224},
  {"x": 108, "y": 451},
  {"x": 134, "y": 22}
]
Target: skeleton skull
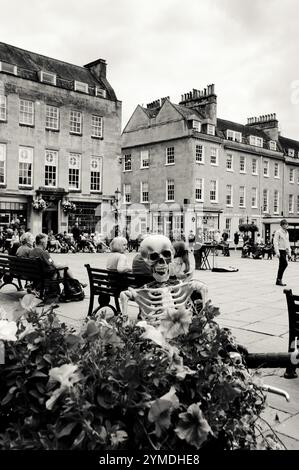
[{"x": 157, "y": 251}]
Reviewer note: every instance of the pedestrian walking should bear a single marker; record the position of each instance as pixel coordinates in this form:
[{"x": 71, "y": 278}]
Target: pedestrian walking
[{"x": 282, "y": 249}]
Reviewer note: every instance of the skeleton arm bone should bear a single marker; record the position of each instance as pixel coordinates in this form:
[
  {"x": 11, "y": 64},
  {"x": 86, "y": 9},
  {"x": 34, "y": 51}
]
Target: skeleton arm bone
[
  {"x": 199, "y": 286},
  {"x": 124, "y": 298}
]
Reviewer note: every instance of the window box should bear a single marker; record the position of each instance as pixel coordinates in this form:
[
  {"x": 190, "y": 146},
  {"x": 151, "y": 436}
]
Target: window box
[
  {"x": 47, "y": 77},
  {"x": 80, "y": 86}
]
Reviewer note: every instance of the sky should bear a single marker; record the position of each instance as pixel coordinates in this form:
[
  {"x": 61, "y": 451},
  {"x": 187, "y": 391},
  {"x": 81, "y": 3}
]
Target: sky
[{"x": 247, "y": 48}]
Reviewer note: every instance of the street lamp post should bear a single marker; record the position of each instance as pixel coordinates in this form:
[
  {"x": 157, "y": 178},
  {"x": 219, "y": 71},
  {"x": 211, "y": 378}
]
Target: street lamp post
[{"x": 115, "y": 204}]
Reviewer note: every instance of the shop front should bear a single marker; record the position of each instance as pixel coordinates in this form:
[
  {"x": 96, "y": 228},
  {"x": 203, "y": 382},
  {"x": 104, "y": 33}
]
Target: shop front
[
  {"x": 87, "y": 215},
  {"x": 271, "y": 224},
  {"x": 207, "y": 223},
  {"x": 11, "y": 212},
  {"x": 52, "y": 217}
]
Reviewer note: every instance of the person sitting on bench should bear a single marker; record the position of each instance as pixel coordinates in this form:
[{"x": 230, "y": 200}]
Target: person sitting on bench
[
  {"x": 52, "y": 270},
  {"x": 27, "y": 241}
]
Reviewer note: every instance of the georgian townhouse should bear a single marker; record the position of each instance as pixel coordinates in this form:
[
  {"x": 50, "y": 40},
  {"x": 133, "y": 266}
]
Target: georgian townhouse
[
  {"x": 183, "y": 168},
  {"x": 60, "y": 128}
]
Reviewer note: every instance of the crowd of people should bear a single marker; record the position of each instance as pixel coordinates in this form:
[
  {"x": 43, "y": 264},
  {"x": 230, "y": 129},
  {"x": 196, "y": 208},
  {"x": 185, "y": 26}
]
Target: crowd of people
[
  {"x": 82, "y": 240},
  {"x": 19, "y": 241}
]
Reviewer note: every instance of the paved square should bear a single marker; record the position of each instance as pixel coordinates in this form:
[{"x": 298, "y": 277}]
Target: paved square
[{"x": 251, "y": 305}]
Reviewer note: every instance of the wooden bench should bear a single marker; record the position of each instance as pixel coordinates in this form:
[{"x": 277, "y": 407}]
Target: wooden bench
[
  {"x": 294, "y": 253},
  {"x": 29, "y": 270},
  {"x": 293, "y": 314},
  {"x": 5, "y": 275},
  {"x": 109, "y": 284}
]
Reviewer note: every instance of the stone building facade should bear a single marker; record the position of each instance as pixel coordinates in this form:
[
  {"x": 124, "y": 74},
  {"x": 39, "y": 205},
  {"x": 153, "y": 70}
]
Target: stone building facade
[
  {"x": 60, "y": 128},
  {"x": 186, "y": 169}
]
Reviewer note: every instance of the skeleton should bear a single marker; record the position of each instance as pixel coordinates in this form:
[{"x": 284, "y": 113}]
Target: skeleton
[{"x": 162, "y": 295}]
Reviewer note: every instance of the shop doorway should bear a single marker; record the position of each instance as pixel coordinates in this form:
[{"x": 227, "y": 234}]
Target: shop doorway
[{"x": 50, "y": 221}]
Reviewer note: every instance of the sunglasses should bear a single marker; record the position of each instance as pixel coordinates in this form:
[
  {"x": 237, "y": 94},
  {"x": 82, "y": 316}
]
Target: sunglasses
[{"x": 155, "y": 256}]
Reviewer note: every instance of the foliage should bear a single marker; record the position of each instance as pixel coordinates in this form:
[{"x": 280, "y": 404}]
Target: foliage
[
  {"x": 124, "y": 385},
  {"x": 39, "y": 205},
  {"x": 68, "y": 207},
  {"x": 248, "y": 228}
]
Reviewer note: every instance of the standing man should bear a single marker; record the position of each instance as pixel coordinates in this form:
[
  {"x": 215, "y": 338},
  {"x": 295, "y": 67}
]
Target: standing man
[
  {"x": 77, "y": 235},
  {"x": 282, "y": 249},
  {"x": 236, "y": 239}
]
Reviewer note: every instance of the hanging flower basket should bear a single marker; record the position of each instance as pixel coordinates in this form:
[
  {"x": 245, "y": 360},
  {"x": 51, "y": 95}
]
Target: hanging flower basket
[
  {"x": 68, "y": 207},
  {"x": 39, "y": 205},
  {"x": 248, "y": 228}
]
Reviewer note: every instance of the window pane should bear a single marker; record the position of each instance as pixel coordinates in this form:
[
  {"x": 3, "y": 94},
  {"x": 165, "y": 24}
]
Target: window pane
[
  {"x": 95, "y": 173},
  {"x": 76, "y": 122},
  {"x": 52, "y": 117},
  {"x": 26, "y": 112},
  {"x": 50, "y": 168},
  {"x": 2, "y": 108},
  {"x": 96, "y": 126},
  {"x": 74, "y": 171}
]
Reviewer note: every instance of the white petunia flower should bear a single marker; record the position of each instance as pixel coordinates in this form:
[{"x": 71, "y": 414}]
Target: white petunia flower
[{"x": 8, "y": 330}]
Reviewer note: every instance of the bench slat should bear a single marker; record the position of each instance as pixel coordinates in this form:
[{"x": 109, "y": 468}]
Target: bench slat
[{"x": 112, "y": 283}]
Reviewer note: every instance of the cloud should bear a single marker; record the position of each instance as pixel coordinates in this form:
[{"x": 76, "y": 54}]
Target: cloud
[{"x": 154, "y": 49}]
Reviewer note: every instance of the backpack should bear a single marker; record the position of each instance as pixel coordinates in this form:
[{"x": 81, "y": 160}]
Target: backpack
[{"x": 72, "y": 291}]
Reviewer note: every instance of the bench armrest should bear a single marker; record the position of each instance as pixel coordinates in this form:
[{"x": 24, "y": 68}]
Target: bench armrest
[{"x": 64, "y": 269}]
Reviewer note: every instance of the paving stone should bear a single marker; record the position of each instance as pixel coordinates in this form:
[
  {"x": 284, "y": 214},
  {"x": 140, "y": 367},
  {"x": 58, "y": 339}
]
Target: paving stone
[
  {"x": 267, "y": 328},
  {"x": 289, "y": 442},
  {"x": 290, "y": 427},
  {"x": 269, "y": 344},
  {"x": 273, "y": 417}
]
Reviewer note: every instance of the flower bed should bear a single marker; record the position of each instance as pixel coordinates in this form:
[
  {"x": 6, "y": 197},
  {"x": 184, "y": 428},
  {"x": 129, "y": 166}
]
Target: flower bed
[{"x": 118, "y": 385}]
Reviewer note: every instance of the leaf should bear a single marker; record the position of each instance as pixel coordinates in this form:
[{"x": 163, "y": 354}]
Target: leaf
[
  {"x": 66, "y": 430},
  {"x": 73, "y": 339},
  {"x": 40, "y": 387},
  {"x": 34, "y": 393},
  {"x": 47, "y": 358},
  {"x": 29, "y": 302},
  {"x": 79, "y": 439},
  {"x": 6, "y": 399},
  {"x": 38, "y": 374}
]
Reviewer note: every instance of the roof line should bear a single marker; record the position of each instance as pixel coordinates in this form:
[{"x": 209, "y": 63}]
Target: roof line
[{"x": 45, "y": 56}]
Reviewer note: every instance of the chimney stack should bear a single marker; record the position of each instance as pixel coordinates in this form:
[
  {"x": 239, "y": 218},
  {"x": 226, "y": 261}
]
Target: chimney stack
[
  {"x": 266, "y": 122},
  {"x": 98, "y": 68},
  {"x": 204, "y": 101}
]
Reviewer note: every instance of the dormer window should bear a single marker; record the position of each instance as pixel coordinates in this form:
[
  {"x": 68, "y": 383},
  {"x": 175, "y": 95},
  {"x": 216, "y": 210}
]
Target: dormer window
[
  {"x": 233, "y": 135},
  {"x": 196, "y": 125},
  {"x": 210, "y": 129},
  {"x": 291, "y": 152},
  {"x": 47, "y": 77},
  {"x": 100, "y": 92},
  {"x": 272, "y": 145},
  {"x": 8, "y": 68},
  {"x": 256, "y": 141},
  {"x": 81, "y": 86}
]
